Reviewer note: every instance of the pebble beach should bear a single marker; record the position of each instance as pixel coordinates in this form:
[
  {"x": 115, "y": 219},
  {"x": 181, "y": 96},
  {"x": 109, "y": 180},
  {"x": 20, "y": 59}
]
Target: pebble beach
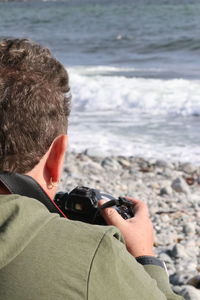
[
  {"x": 172, "y": 193},
  {"x": 135, "y": 84}
]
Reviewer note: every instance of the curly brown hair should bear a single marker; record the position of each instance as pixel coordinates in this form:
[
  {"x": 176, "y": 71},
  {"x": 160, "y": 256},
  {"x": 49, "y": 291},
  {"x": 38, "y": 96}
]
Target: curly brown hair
[{"x": 34, "y": 108}]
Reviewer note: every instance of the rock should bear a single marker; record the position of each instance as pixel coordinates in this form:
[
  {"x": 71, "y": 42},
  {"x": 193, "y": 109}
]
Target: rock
[
  {"x": 192, "y": 247},
  {"x": 110, "y": 163},
  {"x": 80, "y": 157},
  {"x": 190, "y": 293},
  {"x": 164, "y": 238},
  {"x": 154, "y": 186},
  {"x": 178, "y": 278},
  {"x": 134, "y": 172},
  {"x": 124, "y": 162},
  {"x": 167, "y": 190},
  {"x": 188, "y": 168},
  {"x": 168, "y": 173},
  {"x": 189, "y": 228},
  {"x": 191, "y": 267},
  {"x": 178, "y": 251},
  {"x": 145, "y": 167},
  {"x": 163, "y": 164},
  {"x": 71, "y": 171},
  {"x": 177, "y": 289},
  {"x": 195, "y": 281},
  {"x": 180, "y": 186},
  {"x": 190, "y": 180},
  {"x": 91, "y": 167}
]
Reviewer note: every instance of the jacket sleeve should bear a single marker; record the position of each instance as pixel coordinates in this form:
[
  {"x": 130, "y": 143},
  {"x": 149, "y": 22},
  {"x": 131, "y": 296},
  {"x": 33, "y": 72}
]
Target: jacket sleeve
[{"x": 115, "y": 275}]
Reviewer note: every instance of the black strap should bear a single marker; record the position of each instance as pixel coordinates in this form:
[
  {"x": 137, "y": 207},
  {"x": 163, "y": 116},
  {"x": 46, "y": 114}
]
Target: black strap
[
  {"x": 150, "y": 260},
  {"x": 25, "y": 185}
]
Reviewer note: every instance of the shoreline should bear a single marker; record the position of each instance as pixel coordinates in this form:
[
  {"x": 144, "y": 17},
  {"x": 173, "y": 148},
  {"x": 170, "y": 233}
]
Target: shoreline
[
  {"x": 171, "y": 191},
  {"x": 167, "y": 158}
]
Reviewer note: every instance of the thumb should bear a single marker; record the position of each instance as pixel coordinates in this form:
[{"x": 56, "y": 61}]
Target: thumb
[{"x": 110, "y": 215}]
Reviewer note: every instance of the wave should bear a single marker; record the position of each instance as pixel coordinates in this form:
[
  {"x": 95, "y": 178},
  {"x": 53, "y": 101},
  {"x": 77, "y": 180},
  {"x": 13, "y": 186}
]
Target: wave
[
  {"x": 97, "y": 93},
  {"x": 105, "y": 144},
  {"x": 191, "y": 44},
  {"x": 100, "y": 70}
]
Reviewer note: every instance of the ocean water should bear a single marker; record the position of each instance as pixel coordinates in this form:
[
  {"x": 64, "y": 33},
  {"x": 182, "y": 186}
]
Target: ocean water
[{"x": 134, "y": 70}]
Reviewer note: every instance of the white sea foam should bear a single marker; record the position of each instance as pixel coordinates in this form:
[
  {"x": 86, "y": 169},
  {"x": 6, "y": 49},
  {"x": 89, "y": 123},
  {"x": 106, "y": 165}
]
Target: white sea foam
[
  {"x": 100, "y": 140},
  {"x": 136, "y": 95},
  {"x": 97, "y": 70},
  {"x": 135, "y": 116}
]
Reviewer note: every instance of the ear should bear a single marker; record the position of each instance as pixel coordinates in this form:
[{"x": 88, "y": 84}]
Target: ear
[{"x": 55, "y": 159}]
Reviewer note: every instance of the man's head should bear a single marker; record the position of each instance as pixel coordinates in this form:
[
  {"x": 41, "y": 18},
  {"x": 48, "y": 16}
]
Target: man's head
[
  {"x": 33, "y": 105},
  {"x": 34, "y": 110}
]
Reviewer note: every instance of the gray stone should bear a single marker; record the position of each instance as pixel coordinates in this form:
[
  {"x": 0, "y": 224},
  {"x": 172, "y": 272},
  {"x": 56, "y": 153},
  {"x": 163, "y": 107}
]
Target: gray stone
[
  {"x": 188, "y": 168},
  {"x": 178, "y": 278},
  {"x": 191, "y": 267},
  {"x": 145, "y": 166},
  {"x": 163, "y": 164},
  {"x": 168, "y": 173},
  {"x": 177, "y": 289},
  {"x": 189, "y": 228},
  {"x": 164, "y": 219},
  {"x": 179, "y": 251},
  {"x": 110, "y": 163},
  {"x": 124, "y": 162},
  {"x": 180, "y": 186},
  {"x": 152, "y": 161},
  {"x": 192, "y": 247},
  {"x": 163, "y": 237},
  {"x": 71, "y": 171},
  {"x": 195, "y": 281},
  {"x": 154, "y": 186},
  {"x": 91, "y": 167},
  {"x": 167, "y": 190},
  {"x": 190, "y": 293},
  {"x": 134, "y": 172}
]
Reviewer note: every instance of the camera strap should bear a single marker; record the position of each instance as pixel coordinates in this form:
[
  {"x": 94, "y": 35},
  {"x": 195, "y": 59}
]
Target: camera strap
[{"x": 25, "y": 185}]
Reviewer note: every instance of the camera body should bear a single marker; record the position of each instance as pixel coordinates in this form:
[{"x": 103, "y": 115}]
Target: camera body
[{"x": 82, "y": 204}]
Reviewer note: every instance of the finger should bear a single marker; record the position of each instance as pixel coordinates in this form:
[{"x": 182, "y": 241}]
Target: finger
[
  {"x": 111, "y": 216},
  {"x": 139, "y": 207}
]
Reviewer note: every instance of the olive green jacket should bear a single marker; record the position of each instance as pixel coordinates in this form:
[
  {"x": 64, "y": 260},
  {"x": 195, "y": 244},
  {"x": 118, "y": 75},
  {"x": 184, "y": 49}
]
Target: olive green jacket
[{"x": 45, "y": 257}]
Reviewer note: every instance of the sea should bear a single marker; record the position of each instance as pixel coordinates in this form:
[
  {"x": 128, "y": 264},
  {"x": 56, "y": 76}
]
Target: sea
[{"x": 134, "y": 68}]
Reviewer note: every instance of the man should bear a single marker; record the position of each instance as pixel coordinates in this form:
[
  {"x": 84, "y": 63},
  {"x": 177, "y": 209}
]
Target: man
[{"x": 44, "y": 256}]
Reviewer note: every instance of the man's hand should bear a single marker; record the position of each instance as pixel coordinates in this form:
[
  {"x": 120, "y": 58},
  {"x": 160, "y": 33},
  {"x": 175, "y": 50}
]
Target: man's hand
[{"x": 137, "y": 231}]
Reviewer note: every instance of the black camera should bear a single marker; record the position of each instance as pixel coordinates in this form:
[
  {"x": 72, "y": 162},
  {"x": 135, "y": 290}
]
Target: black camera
[{"x": 82, "y": 204}]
